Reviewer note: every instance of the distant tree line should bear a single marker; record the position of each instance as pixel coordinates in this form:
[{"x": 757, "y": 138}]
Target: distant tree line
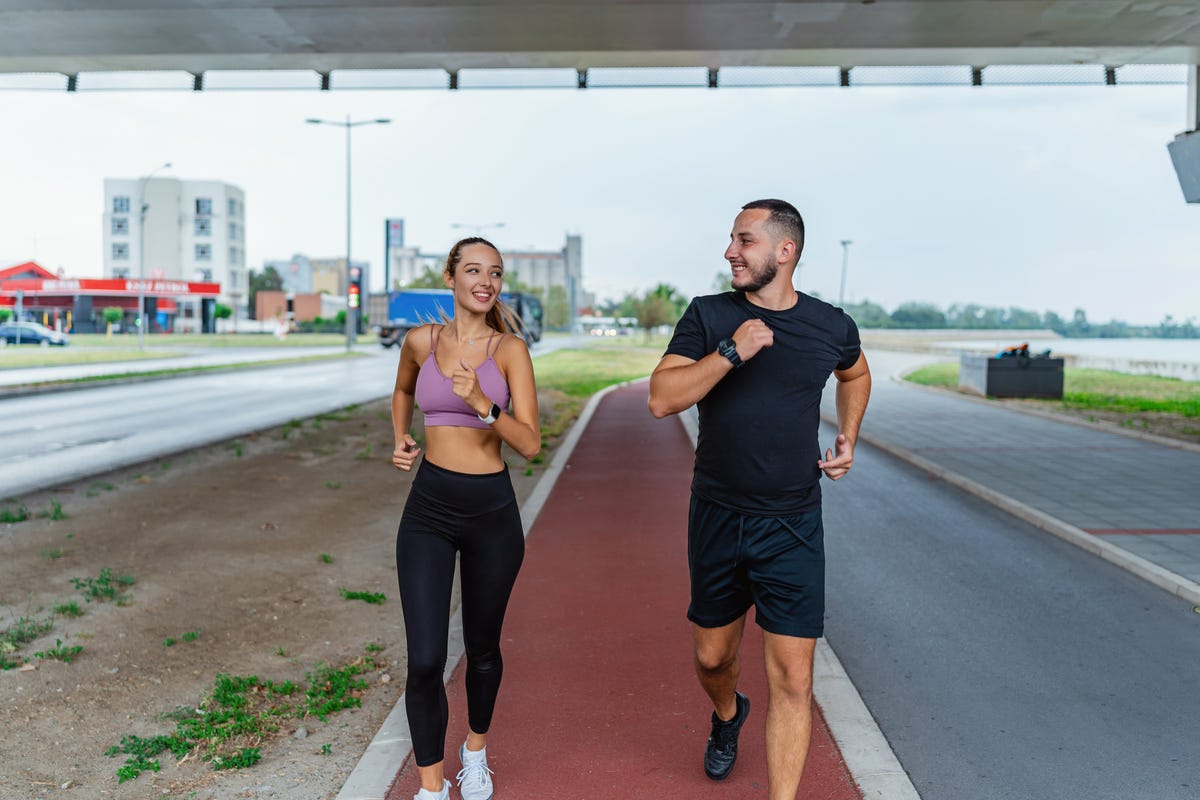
[{"x": 973, "y": 315}]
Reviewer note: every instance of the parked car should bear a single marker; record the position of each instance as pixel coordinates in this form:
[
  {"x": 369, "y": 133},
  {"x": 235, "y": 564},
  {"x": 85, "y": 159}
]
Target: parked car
[{"x": 32, "y": 333}]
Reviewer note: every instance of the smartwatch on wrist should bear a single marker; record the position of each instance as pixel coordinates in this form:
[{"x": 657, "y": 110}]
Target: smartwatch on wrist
[
  {"x": 492, "y": 415},
  {"x": 727, "y": 348}
]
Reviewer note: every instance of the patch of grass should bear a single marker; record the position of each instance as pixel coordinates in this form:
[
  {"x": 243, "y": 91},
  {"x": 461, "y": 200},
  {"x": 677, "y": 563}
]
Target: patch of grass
[
  {"x": 326, "y": 749},
  {"x": 580, "y": 373},
  {"x": 13, "y": 512},
  {"x": 191, "y": 636},
  {"x": 374, "y": 598},
  {"x": 1102, "y": 390},
  {"x": 374, "y": 648},
  {"x": 333, "y": 484},
  {"x": 103, "y": 587},
  {"x": 95, "y": 489},
  {"x": 944, "y": 376},
  {"x": 53, "y": 554},
  {"x": 165, "y": 464},
  {"x": 60, "y": 653},
  {"x": 68, "y": 609},
  {"x": 168, "y": 642},
  {"x": 1098, "y": 390},
  {"x": 229, "y": 727},
  {"x": 325, "y": 558},
  {"x": 364, "y": 454},
  {"x": 281, "y": 651},
  {"x": 334, "y": 416},
  {"x": 23, "y": 631},
  {"x": 528, "y": 471}
]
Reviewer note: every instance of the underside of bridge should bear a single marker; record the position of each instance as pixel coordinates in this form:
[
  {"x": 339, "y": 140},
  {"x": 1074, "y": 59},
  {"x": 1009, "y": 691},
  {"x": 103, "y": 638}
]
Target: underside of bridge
[{"x": 327, "y": 38}]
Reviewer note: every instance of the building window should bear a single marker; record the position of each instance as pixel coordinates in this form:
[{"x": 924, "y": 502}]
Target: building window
[
  {"x": 121, "y": 273},
  {"x": 233, "y": 231},
  {"x": 203, "y": 226},
  {"x": 121, "y": 204},
  {"x": 120, "y": 251},
  {"x": 233, "y": 255},
  {"x": 204, "y": 252},
  {"x": 233, "y": 207},
  {"x": 204, "y": 206},
  {"x": 120, "y": 226}
]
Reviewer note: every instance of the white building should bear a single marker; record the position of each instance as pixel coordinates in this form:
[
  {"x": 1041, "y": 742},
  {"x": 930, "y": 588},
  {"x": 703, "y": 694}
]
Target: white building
[{"x": 193, "y": 231}]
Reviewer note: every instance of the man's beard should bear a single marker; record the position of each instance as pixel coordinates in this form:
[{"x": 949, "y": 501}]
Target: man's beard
[{"x": 760, "y": 278}]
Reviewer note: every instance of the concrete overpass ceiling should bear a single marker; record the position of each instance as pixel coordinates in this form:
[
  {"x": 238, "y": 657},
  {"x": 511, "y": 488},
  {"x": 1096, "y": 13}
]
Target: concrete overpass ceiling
[{"x": 199, "y": 36}]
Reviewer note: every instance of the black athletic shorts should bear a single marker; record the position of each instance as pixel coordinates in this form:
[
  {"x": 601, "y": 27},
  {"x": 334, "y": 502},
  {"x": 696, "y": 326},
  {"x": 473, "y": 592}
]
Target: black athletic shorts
[{"x": 776, "y": 564}]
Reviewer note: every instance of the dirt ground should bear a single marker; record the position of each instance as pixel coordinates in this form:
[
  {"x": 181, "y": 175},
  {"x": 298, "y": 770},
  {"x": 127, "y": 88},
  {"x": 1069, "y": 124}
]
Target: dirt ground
[{"x": 226, "y": 541}]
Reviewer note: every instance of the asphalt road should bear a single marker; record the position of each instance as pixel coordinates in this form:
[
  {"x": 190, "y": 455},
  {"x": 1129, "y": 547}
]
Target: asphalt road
[
  {"x": 64, "y": 436},
  {"x": 1001, "y": 662}
]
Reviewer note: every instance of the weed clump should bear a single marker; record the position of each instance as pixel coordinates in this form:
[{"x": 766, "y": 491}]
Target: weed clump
[{"x": 228, "y": 729}]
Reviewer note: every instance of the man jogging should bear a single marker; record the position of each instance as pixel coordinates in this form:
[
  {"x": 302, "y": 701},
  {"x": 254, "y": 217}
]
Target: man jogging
[{"x": 755, "y": 361}]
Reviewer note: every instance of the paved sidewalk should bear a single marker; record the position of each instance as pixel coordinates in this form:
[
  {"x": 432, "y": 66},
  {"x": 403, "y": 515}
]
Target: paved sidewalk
[
  {"x": 599, "y": 697},
  {"x": 1132, "y": 501}
]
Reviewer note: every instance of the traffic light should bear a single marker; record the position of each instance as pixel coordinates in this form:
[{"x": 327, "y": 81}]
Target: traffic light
[
  {"x": 354, "y": 298},
  {"x": 354, "y": 293}
]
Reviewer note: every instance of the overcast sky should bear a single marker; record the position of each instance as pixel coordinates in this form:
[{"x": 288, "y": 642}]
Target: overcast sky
[{"x": 1049, "y": 198}]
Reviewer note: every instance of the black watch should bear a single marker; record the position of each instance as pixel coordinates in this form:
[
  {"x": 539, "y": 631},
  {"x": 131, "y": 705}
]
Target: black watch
[
  {"x": 727, "y": 348},
  {"x": 493, "y": 414}
]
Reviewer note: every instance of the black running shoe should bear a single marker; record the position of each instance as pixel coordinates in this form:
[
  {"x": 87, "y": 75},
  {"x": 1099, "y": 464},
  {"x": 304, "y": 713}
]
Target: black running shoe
[{"x": 721, "y": 751}]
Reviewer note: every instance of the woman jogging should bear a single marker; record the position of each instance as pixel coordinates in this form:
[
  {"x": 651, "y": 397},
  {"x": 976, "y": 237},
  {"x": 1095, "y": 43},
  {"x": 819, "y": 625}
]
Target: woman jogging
[{"x": 463, "y": 374}]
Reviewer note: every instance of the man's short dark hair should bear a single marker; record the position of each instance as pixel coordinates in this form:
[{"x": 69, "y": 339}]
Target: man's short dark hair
[{"x": 784, "y": 222}]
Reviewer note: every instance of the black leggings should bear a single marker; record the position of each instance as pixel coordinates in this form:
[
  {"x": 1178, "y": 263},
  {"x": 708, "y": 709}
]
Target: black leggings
[{"x": 477, "y": 517}]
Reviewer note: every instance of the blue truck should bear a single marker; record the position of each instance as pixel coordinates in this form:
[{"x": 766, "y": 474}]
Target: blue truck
[{"x": 409, "y": 308}]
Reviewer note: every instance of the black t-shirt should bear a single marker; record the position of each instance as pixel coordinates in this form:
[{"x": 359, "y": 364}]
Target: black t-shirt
[{"x": 758, "y": 448}]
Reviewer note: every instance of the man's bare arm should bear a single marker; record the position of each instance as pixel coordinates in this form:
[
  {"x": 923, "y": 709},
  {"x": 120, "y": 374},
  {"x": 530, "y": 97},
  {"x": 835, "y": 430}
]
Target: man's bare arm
[
  {"x": 853, "y": 392},
  {"x": 678, "y": 382}
]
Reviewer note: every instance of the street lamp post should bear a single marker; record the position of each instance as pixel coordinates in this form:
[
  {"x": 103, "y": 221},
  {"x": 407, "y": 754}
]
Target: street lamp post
[
  {"x": 351, "y": 313},
  {"x": 845, "y": 258},
  {"x": 143, "y": 207}
]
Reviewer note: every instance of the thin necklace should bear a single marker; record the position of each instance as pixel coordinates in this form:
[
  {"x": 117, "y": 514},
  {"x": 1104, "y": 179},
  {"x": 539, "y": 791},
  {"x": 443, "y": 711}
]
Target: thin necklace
[{"x": 470, "y": 340}]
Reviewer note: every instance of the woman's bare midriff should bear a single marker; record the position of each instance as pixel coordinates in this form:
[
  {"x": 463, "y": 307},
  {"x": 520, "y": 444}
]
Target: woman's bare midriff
[{"x": 471, "y": 450}]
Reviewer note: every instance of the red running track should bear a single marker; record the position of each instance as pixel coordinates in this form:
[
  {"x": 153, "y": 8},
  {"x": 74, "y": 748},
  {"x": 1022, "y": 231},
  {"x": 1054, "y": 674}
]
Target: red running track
[{"x": 599, "y": 697}]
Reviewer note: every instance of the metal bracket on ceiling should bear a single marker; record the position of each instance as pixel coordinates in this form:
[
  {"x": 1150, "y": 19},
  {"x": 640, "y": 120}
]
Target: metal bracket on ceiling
[
  {"x": 197, "y": 81},
  {"x": 712, "y": 77},
  {"x": 1110, "y": 76},
  {"x": 324, "y": 81},
  {"x": 72, "y": 81},
  {"x": 581, "y": 78},
  {"x": 977, "y": 76},
  {"x": 454, "y": 79},
  {"x": 844, "y": 73}
]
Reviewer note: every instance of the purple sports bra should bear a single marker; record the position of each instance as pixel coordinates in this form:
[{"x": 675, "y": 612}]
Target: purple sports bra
[{"x": 435, "y": 393}]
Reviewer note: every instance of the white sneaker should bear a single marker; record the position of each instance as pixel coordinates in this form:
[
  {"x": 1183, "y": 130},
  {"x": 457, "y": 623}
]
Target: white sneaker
[
  {"x": 425, "y": 794},
  {"x": 474, "y": 779}
]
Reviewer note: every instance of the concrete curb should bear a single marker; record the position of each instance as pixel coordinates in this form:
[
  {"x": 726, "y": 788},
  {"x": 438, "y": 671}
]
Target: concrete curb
[
  {"x": 869, "y": 758},
  {"x": 1146, "y": 570},
  {"x": 385, "y": 755}
]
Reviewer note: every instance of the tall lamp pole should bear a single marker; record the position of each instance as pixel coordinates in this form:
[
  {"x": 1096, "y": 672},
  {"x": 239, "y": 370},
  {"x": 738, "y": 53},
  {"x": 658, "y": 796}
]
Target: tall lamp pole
[
  {"x": 351, "y": 313},
  {"x": 143, "y": 207},
  {"x": 845, "y": 258}
]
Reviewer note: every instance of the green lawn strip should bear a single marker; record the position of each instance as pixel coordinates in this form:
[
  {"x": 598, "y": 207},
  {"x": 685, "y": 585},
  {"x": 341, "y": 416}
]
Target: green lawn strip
[
  {"x": 229, "y": 727},
  {"x": 160, "y": 373},
  {"x": 578, "y": 373},
  {"x": 167, "y": 342},
  {"x": 1098, "y": 390},
  {"x": 14, "y": 358}
]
